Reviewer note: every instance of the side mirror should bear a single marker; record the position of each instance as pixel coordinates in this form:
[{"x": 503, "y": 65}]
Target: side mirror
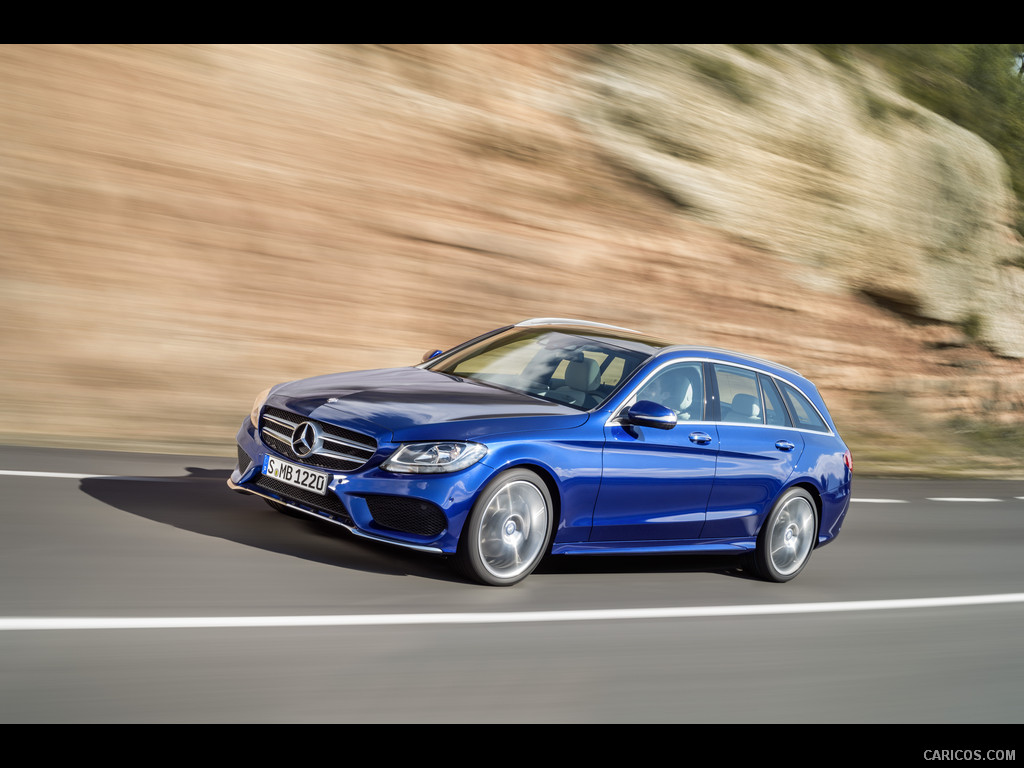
[
  {"x": 646, "y": 413},
  {"x": 430, "y": 355}
]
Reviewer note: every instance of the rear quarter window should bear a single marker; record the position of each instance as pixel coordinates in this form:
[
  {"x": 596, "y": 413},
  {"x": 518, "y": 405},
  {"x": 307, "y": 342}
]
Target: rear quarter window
[{"x": 805, "y": 415}]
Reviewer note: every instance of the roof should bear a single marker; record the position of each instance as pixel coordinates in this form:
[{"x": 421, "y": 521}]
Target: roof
[{"x": 664, "y": 346}]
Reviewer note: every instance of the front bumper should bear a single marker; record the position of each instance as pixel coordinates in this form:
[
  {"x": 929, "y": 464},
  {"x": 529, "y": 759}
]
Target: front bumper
[{"x": 420, "y": 512}]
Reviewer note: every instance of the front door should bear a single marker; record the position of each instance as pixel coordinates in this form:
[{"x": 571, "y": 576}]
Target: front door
[{"x": 655, "y": 483}]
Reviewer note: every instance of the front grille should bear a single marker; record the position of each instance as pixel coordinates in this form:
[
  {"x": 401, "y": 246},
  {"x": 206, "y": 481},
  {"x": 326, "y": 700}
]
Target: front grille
[
  {"x": 400, "y": 513},
  {"x": 328, "y": 503},
  {"x": 343, "y": 450}
]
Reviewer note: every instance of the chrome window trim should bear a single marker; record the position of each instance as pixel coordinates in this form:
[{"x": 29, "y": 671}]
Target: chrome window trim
[
  {"x": 768, "y": 426},
  {"x": 616, "y": 418}
]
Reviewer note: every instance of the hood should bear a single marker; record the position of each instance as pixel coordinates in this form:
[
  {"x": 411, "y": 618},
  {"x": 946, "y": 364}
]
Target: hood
[{"x": 406, "y": 404}]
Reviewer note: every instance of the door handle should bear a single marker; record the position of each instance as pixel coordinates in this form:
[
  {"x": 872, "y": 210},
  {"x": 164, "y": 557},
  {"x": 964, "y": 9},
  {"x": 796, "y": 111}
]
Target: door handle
[
  {"x": 784, "y": 445},
  {"x": 700, "y": 438}
]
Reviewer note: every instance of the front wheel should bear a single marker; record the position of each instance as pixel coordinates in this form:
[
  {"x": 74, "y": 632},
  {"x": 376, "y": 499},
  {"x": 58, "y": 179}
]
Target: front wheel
[
  {"x": 508, "y": 529},
  {"x": 787, "y": 537}
]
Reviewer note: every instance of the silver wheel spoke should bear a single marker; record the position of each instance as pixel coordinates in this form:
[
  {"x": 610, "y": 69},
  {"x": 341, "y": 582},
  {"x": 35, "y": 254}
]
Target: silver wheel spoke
[
  {"x": 792, "y": 536},
  {"x": 513, "y": 529}
]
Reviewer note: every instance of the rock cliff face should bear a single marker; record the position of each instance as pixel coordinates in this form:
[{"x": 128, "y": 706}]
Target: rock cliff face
[
  {"x": 181, "y": 226},
  {"x": 828, "y": 167}
]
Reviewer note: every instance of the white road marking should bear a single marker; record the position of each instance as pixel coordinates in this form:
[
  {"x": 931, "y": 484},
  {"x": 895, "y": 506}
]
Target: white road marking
[
  {"x": 366, "y": 620},
  {"x": 373, "y": 620},
  {"x": 76, "y": 476},
  {"x": 960, "y": 498},
  {"x": 19, "y": 473}
]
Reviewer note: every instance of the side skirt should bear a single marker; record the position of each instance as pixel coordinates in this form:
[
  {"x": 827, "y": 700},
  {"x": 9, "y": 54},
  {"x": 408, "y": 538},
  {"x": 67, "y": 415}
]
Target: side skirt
[{"x": 690, "y": 546}]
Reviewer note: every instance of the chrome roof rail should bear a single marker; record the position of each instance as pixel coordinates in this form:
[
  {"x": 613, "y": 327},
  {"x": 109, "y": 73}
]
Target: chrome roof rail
[
  {"x": 570, "y": 321},
  {"x": 741, "y": 355}
]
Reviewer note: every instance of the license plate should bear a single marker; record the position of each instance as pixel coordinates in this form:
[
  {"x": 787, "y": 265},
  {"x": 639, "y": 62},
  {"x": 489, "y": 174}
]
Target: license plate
[{"x": 295, "y": 475}]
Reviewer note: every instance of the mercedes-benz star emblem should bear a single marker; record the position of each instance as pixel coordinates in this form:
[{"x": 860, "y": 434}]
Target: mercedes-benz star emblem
[{"x": 305, "y": 439}]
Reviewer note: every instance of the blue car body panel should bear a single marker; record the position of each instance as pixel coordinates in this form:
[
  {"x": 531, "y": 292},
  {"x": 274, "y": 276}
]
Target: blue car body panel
[
  {"x": 705, "y": 485},
  {"x": 655, "y": 485}
]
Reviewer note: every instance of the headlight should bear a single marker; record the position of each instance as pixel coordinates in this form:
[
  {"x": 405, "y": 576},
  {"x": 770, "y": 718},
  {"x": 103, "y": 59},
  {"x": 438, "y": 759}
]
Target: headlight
[
  {"x": 254, "y": 414},
  {"x": 434, "y": 457}
]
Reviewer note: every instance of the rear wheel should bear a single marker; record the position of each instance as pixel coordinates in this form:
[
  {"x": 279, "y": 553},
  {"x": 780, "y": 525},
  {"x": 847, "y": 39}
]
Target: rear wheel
[
  {"x": 508, "y": 530},
  {"x": 787, "y": 537}
]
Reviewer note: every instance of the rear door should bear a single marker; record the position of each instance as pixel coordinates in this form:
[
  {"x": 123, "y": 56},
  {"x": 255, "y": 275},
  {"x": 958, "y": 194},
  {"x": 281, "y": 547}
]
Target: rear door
[{"x": 759, "y": 449}]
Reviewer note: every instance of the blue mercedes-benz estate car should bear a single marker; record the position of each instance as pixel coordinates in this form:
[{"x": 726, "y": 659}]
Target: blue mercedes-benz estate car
[{"x": 564, "y": 437}]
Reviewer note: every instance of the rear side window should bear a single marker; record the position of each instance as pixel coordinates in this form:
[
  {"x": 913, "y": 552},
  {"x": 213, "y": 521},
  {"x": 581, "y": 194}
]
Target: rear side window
[
  {"x": 738, "y": 395},
  {"x": 805, "y": 415},
  {"x": 774, "y": 411}
]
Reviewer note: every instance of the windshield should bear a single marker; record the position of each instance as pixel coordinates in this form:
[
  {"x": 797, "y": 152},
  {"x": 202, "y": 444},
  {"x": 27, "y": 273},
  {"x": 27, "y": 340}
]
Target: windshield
[{"x": 581, "y": 371}]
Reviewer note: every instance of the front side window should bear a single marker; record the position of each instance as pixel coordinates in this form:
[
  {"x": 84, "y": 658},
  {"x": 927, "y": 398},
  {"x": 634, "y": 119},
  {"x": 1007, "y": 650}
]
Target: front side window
[{"x": 679, "y": 388}]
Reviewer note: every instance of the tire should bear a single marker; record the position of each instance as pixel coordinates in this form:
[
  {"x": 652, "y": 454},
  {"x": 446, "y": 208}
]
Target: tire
[
  {"x": 787, "y": 537},
  {"x": 508, "y": 531}
]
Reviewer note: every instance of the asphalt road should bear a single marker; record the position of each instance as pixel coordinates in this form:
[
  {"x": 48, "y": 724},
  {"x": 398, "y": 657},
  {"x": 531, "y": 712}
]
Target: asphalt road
[{"x": 133, "y": 538}]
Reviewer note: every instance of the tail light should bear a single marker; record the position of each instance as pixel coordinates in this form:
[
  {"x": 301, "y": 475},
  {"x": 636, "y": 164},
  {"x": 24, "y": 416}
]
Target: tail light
[{"x": 848, "y": 460}]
